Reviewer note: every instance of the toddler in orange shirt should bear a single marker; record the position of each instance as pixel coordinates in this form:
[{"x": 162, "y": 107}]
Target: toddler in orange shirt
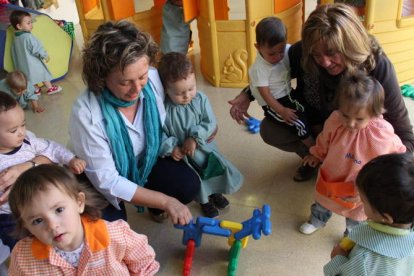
[{"x": 64, "y": 235}]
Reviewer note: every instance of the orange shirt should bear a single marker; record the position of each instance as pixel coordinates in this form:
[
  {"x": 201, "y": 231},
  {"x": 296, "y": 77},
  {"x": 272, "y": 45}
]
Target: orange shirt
[
  {"x": 344, "y": 152},
  {"x": 111, "y": 248}
]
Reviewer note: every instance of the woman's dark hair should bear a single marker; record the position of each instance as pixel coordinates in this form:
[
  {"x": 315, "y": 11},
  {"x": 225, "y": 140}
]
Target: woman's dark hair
[
  {"x": 40, "y": 179},
  {"x": 270, "y": 31},
  {"x": 388, "y": 184},
  {"x": 7, "y": 102},
  {"x": 174, "y": 67},
  {"x": 114, "y": 46}
]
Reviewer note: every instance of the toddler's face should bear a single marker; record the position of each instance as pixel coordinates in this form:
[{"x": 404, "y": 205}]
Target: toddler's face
[
  {"x": 19, "y": 92},
  {"x": 182, "y": 91},
  {"x": 273, "y": 54},
  {"x": 354, "y": 117},
  {"x": 12, "y": 129},
  {"x": 26, "y": 24},
  {"x": 53, "y": 217}
]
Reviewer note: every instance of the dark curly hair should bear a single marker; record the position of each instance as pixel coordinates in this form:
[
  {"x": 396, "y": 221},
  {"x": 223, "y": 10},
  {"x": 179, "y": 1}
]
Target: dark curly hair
[{"x": 174, "y": 67}]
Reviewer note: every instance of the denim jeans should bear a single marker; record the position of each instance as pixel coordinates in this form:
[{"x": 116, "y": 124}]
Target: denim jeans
[
  {"x": 7, "y": 226},
  {"x": 320, "y": 216}
]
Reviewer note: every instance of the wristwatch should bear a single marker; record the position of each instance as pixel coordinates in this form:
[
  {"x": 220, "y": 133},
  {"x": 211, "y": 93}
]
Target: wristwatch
[{"x": 34, "y": 164}]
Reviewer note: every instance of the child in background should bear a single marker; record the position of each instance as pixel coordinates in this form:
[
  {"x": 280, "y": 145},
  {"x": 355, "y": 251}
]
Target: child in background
[
  {"x": 189, "y": 123},
  {"x": 28, "y": 54},
  {"x": 59, "y": 218},
  {"x": 20, "y": 146},
  {"x": 353, "y": 135},
  {"x": 385, "y": 244},
  {"x": 270, "y": 79},
  {"x": 15, "y": 84}
]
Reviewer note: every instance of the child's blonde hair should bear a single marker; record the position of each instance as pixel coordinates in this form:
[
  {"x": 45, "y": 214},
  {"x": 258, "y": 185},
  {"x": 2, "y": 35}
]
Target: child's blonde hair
[
  {"x": 41, "y": 178},
  {"x": 361, "y": 90},
  {"x": 16, "y": 80}
]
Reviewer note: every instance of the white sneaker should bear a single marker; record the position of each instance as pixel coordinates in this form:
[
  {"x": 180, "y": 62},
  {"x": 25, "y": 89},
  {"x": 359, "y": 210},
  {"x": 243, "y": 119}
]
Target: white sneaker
[{"x": 308, "y": 228}]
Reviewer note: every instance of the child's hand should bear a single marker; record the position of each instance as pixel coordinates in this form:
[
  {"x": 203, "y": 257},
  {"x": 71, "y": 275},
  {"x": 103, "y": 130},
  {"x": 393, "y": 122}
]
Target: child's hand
[
  {"x": 36, "y": 107},
  {"x": 76, "y": 165},
  {"x": 177, "y": 154},
  {"x": 338, "y": 250},
  {"x": 311, "y": 160},
  {"x": 189, "y": 146},
  {"x": 289, "y": 115},
  {"x": 46, "y": 59}
]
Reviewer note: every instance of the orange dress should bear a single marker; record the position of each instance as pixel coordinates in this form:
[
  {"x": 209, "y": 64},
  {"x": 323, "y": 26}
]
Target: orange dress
[{"x": 343, "y": 153}]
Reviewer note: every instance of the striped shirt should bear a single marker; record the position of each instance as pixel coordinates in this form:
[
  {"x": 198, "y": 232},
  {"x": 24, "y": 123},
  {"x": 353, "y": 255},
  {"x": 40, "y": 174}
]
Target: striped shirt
[
  {"x": 111, "y": 248},
  {"x": 380, "y": 250}
]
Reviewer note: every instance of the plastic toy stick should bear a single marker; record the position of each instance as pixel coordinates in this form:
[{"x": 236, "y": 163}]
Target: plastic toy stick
[
  {"x": 188, "y": 259},
  {"x": 407, "y": 90},
  {"x": 234, "y": 227},
  {"x": 253, "y": 124},
  {"x": 260, "y": 222},
  {"x": 234, "y": 258}
]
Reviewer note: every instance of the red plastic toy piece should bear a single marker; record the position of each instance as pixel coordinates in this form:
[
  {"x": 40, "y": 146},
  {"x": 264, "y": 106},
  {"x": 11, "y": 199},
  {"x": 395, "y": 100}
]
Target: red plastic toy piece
[{"x": 188, "y": 259}]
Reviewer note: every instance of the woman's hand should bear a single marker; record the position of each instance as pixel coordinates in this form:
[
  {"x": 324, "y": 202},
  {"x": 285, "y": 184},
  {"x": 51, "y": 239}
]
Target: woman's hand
[
  {"x": 239, "y": 107},
  {"x": 9, "y": 175},
  {"x": 178, "y": 212},
  {"x": 311, "y": 161},
  {"x": 76, "y": 165}
]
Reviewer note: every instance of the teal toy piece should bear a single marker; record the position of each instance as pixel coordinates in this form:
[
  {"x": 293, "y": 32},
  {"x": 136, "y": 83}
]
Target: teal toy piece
[{"x": 407, "y": 90}]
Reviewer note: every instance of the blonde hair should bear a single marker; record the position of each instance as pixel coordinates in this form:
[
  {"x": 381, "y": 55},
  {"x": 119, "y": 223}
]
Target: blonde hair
[
  {"x": 16, "y": 80},
  {"x": 341, "y": 30},
  {"x": 361, "y": 91},
  {"x": 40, "y": 179}
]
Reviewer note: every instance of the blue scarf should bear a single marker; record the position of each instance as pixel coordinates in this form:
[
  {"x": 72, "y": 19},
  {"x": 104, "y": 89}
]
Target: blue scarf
[{"x": 120, "y": 141}]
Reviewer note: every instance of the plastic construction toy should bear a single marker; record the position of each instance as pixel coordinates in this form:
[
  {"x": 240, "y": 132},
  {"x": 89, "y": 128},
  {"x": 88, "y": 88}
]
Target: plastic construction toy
[
  {"x": 407, "y": 90},
  {"x": 253, "y": 125},
  {"x": 237, "y": 234}
]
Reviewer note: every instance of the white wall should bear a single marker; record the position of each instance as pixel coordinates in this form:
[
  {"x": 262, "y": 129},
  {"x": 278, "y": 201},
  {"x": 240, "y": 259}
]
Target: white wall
[{"x": 66, "y": 11}]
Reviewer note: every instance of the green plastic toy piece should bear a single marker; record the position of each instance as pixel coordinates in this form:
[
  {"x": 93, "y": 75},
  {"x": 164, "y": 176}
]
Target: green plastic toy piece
[
  {"x": 407, "y": 90},
  {"x": 234, "y": 258}
]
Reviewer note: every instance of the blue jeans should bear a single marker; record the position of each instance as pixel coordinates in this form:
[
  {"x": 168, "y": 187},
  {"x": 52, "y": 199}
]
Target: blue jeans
[{"x": 320, "y": 216}]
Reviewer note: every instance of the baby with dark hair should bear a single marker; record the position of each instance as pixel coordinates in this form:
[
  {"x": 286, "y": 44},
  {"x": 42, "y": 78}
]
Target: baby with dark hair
[{"x": 385, "y": 244}]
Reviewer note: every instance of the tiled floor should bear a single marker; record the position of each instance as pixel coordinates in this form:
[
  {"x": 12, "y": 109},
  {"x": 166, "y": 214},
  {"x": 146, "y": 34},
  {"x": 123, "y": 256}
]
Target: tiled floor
[{"x": 268, "y": 180}]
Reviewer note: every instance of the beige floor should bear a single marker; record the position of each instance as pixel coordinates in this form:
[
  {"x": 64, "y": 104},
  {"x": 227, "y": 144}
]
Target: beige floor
[{"x": 267, "y": 172}]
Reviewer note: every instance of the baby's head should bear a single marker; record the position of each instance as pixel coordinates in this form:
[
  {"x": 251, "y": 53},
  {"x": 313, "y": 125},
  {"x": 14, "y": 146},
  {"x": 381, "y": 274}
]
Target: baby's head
[
  {"x": 17, "y": 82},
  {"x": 21, "y": 20},
  {"x": 177, "y": 75},
  {"x": 386, "y": 186},
  {"x": 359, "y": 98},
  {"x": 47, "y": 201},
  {"x": 12, "y": 123},
  {"x": 271, "y": 36}
]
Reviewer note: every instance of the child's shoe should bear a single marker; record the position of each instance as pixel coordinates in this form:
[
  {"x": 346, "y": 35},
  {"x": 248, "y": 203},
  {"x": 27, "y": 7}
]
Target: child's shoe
[
  {"x": 38, "y": 91},
  {"x": 219, "y": 201},
  {"x": 53, "y": 90},
  {"x": 304, "y": 173},
  {"x": 209, "y": 210},
  {"x": 308, "y": 228}
]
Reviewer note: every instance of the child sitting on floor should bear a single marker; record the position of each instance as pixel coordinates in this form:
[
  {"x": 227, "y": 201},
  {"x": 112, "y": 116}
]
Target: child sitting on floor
[
  {"x": 352, "y": 135},
  {"x": 189, "y": 123},
  {"x": 384, "y": 245},
  {"x": 59, "y": 218},
  {"x": 15, "y": 84},
  {"x": 28, "y": 54},
  {"x": 20, "y": 146}
]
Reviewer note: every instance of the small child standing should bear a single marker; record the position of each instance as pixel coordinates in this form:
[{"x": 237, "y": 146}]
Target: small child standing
[
  {"x": 189, "y": 124},
  {"x": 351, "y": 136},
  {"x": 385, "y": 244},
  {"x": 59, "y": 218},
  {"x": 28, "y": 54},
  {"x": 20, "y": 146},
  {"x": 15, "y": 84},
  {"x": 270, "y": 80}
]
